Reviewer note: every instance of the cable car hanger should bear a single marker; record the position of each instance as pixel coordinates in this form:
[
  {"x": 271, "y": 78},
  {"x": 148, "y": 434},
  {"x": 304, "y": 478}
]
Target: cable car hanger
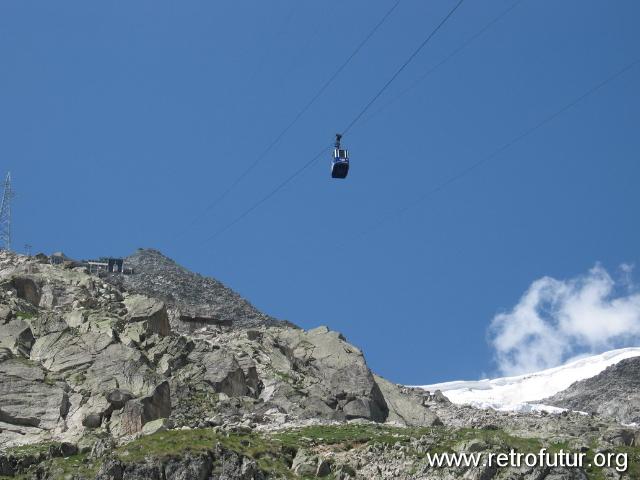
[{"x": 340, "y": 162}]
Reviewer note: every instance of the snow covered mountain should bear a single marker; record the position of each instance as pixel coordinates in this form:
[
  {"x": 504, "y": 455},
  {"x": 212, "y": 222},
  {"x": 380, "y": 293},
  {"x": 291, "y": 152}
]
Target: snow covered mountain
[{"x": 523, "y": 392}]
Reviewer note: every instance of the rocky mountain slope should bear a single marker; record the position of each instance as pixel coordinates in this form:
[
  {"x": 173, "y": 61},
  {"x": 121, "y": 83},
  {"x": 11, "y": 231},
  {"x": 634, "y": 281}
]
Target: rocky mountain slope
[
  {"x": 528, "y": 392},
  {"x": 192, "y": 300},
  {"x": 613, "y": 393},
  {"x": 165, "y": 374}
]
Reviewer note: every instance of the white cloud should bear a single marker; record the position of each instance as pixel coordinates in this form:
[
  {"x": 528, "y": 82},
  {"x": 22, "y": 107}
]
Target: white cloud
[{"x": 556, "y": 320}]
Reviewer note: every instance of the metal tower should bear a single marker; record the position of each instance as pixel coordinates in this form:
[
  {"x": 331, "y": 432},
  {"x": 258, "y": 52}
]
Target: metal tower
[{"x": 5, "y": 214}]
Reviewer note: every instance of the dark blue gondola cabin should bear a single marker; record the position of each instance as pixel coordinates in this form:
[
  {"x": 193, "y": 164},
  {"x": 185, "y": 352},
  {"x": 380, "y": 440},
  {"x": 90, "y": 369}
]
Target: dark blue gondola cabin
[{"x": 340, "y": 163}]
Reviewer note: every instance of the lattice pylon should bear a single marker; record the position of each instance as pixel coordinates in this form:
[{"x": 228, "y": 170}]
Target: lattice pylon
[{"x": 5, "y": 214}]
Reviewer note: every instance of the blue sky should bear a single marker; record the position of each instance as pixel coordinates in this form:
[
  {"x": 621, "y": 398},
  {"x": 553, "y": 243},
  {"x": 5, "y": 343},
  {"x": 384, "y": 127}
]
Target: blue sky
[{"x": 122, "y": 121}]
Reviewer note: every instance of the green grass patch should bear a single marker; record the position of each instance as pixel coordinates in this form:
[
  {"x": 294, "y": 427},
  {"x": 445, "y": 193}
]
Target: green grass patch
[
  {"x": 352, "y": 434},
  {"x": 268, "y": 453},
  {"x": 31, "y": 450},
  {"x": 73, "y": 467}
]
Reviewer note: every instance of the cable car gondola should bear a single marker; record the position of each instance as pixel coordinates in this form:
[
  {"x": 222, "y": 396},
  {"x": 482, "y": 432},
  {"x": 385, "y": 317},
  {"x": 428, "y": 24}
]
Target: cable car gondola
[{"x": 340, "y": 162}]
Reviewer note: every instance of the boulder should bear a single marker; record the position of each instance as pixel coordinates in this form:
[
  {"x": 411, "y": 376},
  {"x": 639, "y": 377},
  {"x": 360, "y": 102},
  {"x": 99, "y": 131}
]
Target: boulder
[
  {"x": 16, "y": 336},
  {"x": 102, "y": 323},
  {"x": 86, "y": 412},
  {"x": 75, "y": 318},
  {"x": 111, "y": 469},
  {"x": 223, "y": 373},
  {"x": 155, "y": 426},
  {"x": 92, "y": 420},
  {"x": 170, "y": 353},
  {"x": 343, "y": 377},
  {"x": 405, "y": 408},
  {"x": 304, "y": 464},
  {"x": 5, "y": 314},
  {"x": 623, "y": 437},
  {"x": 118, "y": 398},
  {"x": 324, "y": 468},
  {"x": 151, "y": 311},
  {"x": 138, "y": 412}
]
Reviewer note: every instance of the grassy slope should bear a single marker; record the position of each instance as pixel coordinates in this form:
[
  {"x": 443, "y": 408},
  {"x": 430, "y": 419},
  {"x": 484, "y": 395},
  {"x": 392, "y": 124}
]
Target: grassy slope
[{"x": 274, "y": 451}]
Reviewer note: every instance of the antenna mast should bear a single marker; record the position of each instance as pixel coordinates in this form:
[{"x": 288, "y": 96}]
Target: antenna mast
[{"x": 5, "y": 214}]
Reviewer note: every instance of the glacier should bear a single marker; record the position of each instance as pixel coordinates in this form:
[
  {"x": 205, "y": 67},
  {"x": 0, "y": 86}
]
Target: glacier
[{"x": 523, "y": 393}]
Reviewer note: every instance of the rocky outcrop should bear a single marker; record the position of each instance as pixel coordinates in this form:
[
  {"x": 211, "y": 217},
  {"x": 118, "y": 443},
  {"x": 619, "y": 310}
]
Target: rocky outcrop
[
  {"x": 27, "y": 289},
  {"x": 189, "y": 295},
  {"x": 16, "y": 336},
  {"x": 149, "y": 311},
  {"x": 67, "y": 350},
  {"x": 121, "y": 367},
  {"x": 613, "y": 393},
  {"x": 223, "y": 373},
  {"x": 28, "y": 398},
  {"x": 406, "y": 407},
  {"x": 335, "y": 376},
  {"x": 216, "y": 463},
  {"x": 138, "y": 412}
]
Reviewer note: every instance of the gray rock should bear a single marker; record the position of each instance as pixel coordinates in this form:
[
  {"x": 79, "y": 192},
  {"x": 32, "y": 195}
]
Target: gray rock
[
  {"x": 118, "y": 398},
  {"x": 16, "y": 336},
  {"x": 143, "y": 471},
  {"x": 155, "y": 426},
  {"x": 121, "y": 367},
  {"x": 304, "y": 464},
  {"x": 188, "y": 293},
  {"x": 75, "y": 318},
  {"x": 342, "y": 372},
  {"x": 62, "y": 351},
  {"x": 27, "y": 289},
  {"x": 47, "y": 322},
  {"x": 405, "y": 408},
  {"x": 223, "y": 373},
  {"x": 324, "y": 468},
  {"x": 359, "y": 408},
  {"x": 93, "y": 420},
  {"x": 149, "y": 311},
  {"x": 5, "y": 314},
  {"x": 613, "y": 393},
  {"x": 102, "y": 447},
  {"x": 25, "y": 399},
  {"x": 191, "y": 467},
  {"x": 111, "y": 469},
  {"x": 138, "y": 412}
]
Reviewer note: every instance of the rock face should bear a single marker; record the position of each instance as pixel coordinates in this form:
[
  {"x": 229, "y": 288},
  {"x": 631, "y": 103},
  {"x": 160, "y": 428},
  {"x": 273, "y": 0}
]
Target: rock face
[
  {"x": 331, "y": 375},
  {"x": 26, "y": 399},
  {"x": 138, "y": 412},
  {"x": 614, "y": 393}
]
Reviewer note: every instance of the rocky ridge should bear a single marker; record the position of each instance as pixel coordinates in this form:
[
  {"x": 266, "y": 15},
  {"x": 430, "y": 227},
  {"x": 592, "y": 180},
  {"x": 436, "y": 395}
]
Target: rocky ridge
[
  {"x": 104, "y": 377},
  {"x": 192, "y": 300},
  {"x": 613, "y": 393}
]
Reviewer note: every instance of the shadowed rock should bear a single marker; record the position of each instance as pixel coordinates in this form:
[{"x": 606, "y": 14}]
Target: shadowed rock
[{"x": 138, "y": 412}]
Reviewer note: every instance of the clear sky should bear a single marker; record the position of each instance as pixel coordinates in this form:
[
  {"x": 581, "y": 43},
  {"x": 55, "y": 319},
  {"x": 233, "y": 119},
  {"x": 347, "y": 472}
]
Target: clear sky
[{"x": 122, "y": 121}]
